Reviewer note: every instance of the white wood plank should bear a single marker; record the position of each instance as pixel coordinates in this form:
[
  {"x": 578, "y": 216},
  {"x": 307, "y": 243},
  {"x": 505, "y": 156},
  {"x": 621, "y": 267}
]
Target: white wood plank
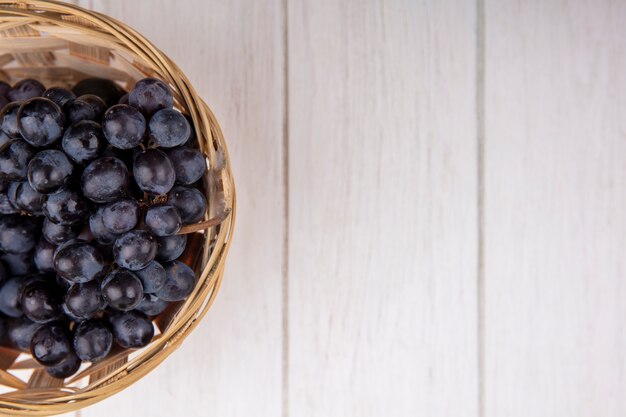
[
  {"x": 555, "y": 201},
  {"x": 233, "y": 53},
  {"x": 382, "y": 206}
]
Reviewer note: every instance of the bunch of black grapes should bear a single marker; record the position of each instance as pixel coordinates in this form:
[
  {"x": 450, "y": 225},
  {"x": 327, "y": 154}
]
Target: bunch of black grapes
[{"x": 95, "y": 185}]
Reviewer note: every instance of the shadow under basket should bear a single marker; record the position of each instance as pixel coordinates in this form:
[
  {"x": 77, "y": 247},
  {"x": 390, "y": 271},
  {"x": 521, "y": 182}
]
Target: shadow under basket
[{"x": 60, "y": 44}]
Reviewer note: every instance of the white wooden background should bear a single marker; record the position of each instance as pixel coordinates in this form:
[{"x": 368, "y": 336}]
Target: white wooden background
[{"x": 432, "y": 208}]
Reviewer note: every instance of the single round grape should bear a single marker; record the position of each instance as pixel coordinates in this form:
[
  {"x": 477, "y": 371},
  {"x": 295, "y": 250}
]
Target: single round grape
[
  {"x": 169, "y": 128},
  {"x": 59, "y": 233},
  {"x": 78, "y": 110},
  {"x": 190, "y": 203},
  {"x": 14, "y": 158},
  {"x": 92, "y": 340},
  {"x": 84, "y": 301},
  {"x": 50, "y": 344},
  {"x": 66, "y": 368},
  {"x": 6, "y": 207},
  {"x": 150, "y": 95},
  {"x": 20, "y": 332},
  {"x": 105, "y": 179},
  {"x": 120, "y": 216},
  {"x": 40, "y": 121},
  {"x": 8, "y": 115},
  {"x": 134, "y": 250},
  {"x": 79, "y": 262},
  {"x": 152, "y": 277},
  {"x": 49, "y": 170},
  {"x": 154, "y": 172},
  {"x": 122, "y": 290},
  {"x": 83, "y": 141},
  {"x": 170, "y": 247},
  {"x": 99, "y": 232},
  {"x": 26, "y": 89},
  {"x": 123, "y": 126},
  {"x": 59, "y": 95},
  {"x": 151, "y": 305},
  {"x": 28, "y": 200},
  {"x": 44, "y": 256},
  {"x": 65, "y": 207},
  {"x": 179, "y": 283},
  {"x": 107, "y": 90},
  {"x": 19, "y": 263},
  {"x": 18, "y": 234},
  {"x": 40, "y": 302},
  {"x": 97, "y": 104},
  {"x": 10, "y": 294},
  {"x": 163, "y": 220},
  {"x": 189, "y": 164},
  {"x": 132, "y": 329}
]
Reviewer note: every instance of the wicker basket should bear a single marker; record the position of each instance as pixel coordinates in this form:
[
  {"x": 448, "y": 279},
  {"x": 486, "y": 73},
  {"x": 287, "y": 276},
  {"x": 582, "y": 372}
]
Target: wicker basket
[{"x": 60, "y": 44}]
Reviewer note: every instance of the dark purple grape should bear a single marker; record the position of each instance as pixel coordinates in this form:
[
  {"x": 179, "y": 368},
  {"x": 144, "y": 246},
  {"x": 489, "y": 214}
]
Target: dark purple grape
[
  {"x": 83, "y": 141},
  {"x": 3, "y": 328},
  {"x": 18, "y": 234},
  {"x": 163, "y": 220},
  {"x": 65, "y": 207},
  {"x": 122, "y": 290},
  {"x": 10, "y": 294},
  {"x": 120, "y": 216},
  {"x": 28, "y": 200},
  {"x": 154, "y": 172},
  {"x": 151, "y": 305},
  {"x": 40, "y": 121},
  {"x": 4, "y": 138},
  {"x": 169, "y": 128},
  {"x": 6, "y": 207},
  {"x": 132, "y": 329},
  {"x": 19, "y": 263},
  {"x": 78, "y": 110},
  {"x": 99, "y": 232},
  {"x": 152, "y": 277},
  {"x": 9, "y": 119},
  {"x": 49, "y": 170},
  {"x": 97, "y": 104},
  {"x": 190, "y": 203},
  {"x": 179, "y": 283},
  {"x": 66, "y": 368},
  {"x": 20, "y": 332},
  {"x": 134, "y": 250},
  {"x": 79, "y": 262},
  {"x": 107, "y": 90},
  {"x": 150, "y": 95},
  {"x": 59, "y": 233},
  {"x": 170, "y": 247},
  {"x": 50, "y": 344},
  {"x": 26, "y": 89},
  {"x": 123, "y": 99},
  {"x": 123, "y": 126},
  {"x": 92, "y": 340},
  {"x": 14, "y": 158},
  {"x": 189, "y": 165},
  {"x": 59, "y": 95},
  {"x": 44, "y": 256},
  {"x": 41, "y": 302},
  {"x": 84, "y": 301},
  {"x": 105, "y": 179}
]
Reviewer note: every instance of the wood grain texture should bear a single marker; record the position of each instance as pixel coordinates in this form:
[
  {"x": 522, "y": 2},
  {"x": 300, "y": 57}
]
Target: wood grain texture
[
  {"x": 233, "y": 54},
  {"x": 555, "y": 201},
  {"x": 382, "y": 209}
]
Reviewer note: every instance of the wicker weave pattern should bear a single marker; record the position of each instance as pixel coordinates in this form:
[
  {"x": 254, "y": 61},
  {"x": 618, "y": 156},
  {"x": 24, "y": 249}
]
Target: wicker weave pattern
[{"x": 60, "y": 44}]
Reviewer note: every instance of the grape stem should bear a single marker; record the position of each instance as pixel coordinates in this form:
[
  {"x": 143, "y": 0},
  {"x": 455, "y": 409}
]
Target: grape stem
[{"x": 206, "y": 224}]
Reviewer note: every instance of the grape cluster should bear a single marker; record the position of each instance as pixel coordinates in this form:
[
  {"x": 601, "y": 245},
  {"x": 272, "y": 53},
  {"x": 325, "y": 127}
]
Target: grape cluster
[{"x": 95, "y": 185}]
